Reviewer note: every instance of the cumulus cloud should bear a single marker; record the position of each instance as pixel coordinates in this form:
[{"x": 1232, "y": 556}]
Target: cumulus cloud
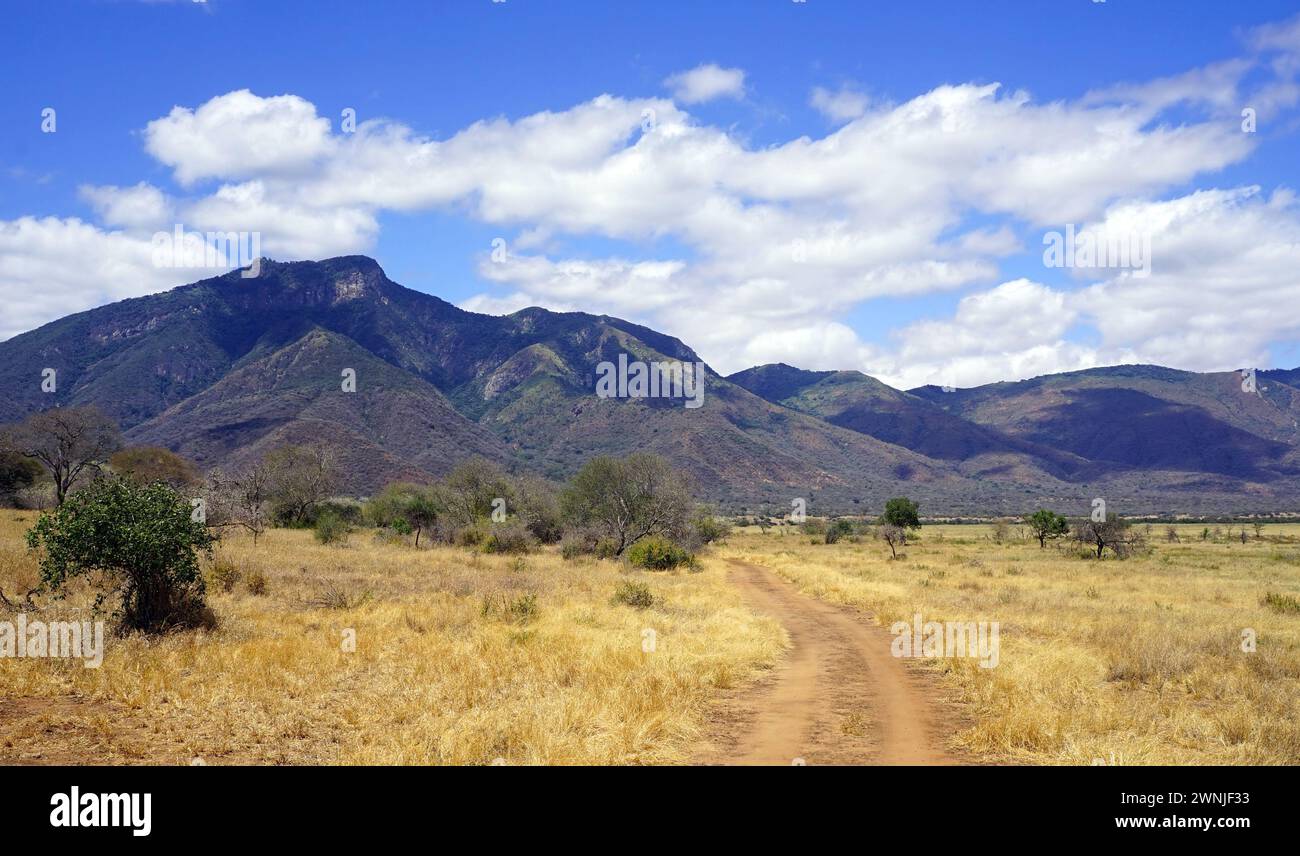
[
  {"x": 772, "y": 247},
  {"x": 705, "y": 83},
  {"x": 238, "y": 135},
  {"x": 137, "y": 208},
  {"x": 51, "y": 267}
]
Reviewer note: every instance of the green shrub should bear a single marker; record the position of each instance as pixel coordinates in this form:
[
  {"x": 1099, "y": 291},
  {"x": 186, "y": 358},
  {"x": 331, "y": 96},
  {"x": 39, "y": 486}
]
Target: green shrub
[
  {"x": 839, "y": 528},
  {"x": 658, "y": 554},
  {"x": 814, "y": 526},
  {"x": 511, "y": 537},
  {"x": 634, "y": 594},
  {"x": 330, "y": 528},
  {"x": 470, "y": 536},
  {"x": 710, "y": 529},
  {"x": 139, "y": 542}
]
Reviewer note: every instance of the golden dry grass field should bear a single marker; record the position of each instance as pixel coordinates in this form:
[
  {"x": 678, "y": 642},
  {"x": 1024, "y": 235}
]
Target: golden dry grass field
[
  {"x": 1118, "y": 662},
  {"x": 464, "y": 658},
  {"x": 451, "y": 665}
]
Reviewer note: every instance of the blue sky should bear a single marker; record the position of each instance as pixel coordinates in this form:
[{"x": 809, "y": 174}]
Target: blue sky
[{"x": 111, "y": 68}]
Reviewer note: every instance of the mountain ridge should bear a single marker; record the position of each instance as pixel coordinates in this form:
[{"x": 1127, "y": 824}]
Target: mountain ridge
[{"x": 225, "y": 367}]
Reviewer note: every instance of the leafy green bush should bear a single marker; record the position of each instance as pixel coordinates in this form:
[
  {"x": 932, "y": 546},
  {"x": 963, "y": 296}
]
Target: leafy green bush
[
  {"x": 143, "y": 542},
  {"x": 634, "y": 594},
  {"x": 839, "y": 528},
  {"x": 710, "y": 529},
  {"x": 471, "y": 536},
  {"x": 658, "y": 554},
  {"x": 330, "y": 528}
]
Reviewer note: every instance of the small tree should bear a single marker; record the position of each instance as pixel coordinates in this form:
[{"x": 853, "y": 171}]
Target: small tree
[
  {"x": 420, "y": 512},
  {"x": 538, "y": 505},
  {"x": 149, "y": 464},
  {"x": 242, "y": 499},
  {"x": 67, "y": 441},
  {"x": 16, "y": 473},
  {"x": 298, "y": 479},
  {"x": 1047, "y": 525},
  {"x": 903, "y": 513},
  {"x": 894, "y": 536},
  {"x": 1113, "y": 533},
  {"x": 142, "y": 540},
  {"x": 407, "y": 507},
  {"x": 708, "y": 527},
  {"x": 628, "y": 499},
  {"x": 838, "y": 529},
  {"x": 471, "y": 490}
]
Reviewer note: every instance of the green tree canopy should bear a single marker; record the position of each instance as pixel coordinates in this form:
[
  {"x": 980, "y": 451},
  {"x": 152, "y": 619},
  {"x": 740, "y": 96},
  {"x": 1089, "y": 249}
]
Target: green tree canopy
[
  {"x": 144, "y": 542},
  {"x": 1047, "y": 524}
]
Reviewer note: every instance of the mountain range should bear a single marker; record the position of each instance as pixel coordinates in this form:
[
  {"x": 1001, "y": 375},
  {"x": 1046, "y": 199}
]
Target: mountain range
[{"x": 228, "y": 367}]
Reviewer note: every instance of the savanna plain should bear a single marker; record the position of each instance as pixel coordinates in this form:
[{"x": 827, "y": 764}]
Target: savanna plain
[{"x": 372, "y": 651}]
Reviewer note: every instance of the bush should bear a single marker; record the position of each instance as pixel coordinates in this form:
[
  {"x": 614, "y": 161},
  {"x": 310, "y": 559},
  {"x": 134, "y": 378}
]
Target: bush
[
  {"x": 470, "y": 536},
  {"x": 511, "y": 537},
  {"x": 143, "y": 542},
  {"x": 658, "y": 554},
  {"x": 225, "y": 574},
  {"x": 839, "y": 528},
  {"x": 634, "y": 594},
  {"x": 331, "y": 528},
  {"x": 587, "y": 542},
  {"x": 710, "y": 529},
  {"x": 629, "y": 499},
  {"x": 256, "y": 583}
]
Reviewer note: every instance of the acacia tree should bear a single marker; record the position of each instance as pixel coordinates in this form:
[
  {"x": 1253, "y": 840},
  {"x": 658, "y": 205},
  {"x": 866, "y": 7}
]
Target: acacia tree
[
  {"x": 1113, "y": 533},
  {"x": 471, "y": 489},
  {"x": 242, "y": 498},
  {"x": 894, "y": 536},
  {"x": 629, "y": 499},
  {"x": 902, "y": 513},
  {"x": 298, "y": 478},
  {"x": 149, "y": 464},
  {"x": 1046, "y": 525},
  {"x": 66, "y": 441}
]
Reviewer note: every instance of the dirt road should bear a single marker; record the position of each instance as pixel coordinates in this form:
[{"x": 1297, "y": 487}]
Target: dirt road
[{"x": 839, "y": 696}]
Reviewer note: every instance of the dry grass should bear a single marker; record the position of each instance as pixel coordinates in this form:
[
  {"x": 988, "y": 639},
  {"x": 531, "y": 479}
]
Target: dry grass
[
  {"x": 1129, "y": 662},
  {"x": 460, "y": 659}
]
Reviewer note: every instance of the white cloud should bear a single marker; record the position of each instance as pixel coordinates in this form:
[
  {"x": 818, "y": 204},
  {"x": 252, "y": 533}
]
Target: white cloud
[
  {"x": 840, "y": 105},
  {"x": 771, "y": 246},
  {"x": 142, "y": 207},
  {"x": 239, "y": 135},
  {"x": 51, "y": 267},
  {"x": 707, "y": 82}
]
